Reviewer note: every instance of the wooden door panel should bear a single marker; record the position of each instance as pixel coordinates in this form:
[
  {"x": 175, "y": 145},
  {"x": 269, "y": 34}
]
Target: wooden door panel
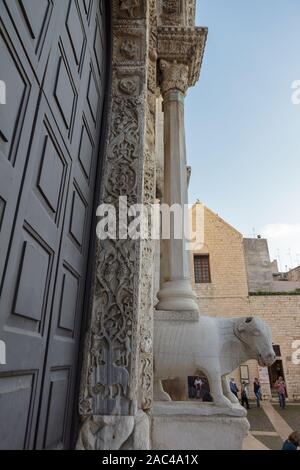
[
  {"x": 35, "y": 23},
  {"x": 16, "y": 120},
  {"x": 29, "y": 281},
  {"x": 56, "y": 422},
  {"x": 71, "y": 274},
  {"x": 48, "y": 167},
  {"x": 17, "y": 394}
]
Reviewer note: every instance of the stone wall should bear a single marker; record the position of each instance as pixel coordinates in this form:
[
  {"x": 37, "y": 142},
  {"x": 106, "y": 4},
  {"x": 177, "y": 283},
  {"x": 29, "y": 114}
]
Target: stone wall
[
  {"x": 259, "y": 267},
  {"x": 294, "y": 274},
  {"x": 282, "y": 313},
  {"x": 262, "y": 273},
  {"x": 227, "y": 296},
  {"x": 227, "y": 265}
]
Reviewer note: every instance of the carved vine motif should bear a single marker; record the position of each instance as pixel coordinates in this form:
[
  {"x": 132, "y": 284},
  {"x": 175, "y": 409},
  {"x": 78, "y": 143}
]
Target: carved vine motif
[
  {"x": 124, "y": 140},
  {"x": 146, "y": 271},
  {"x": 147, "y": 254},
  {"x": 112, "y": 338}
]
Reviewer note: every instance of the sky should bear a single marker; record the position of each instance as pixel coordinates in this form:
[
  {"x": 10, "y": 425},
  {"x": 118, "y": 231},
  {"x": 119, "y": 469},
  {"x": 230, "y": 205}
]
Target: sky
[{"x": 242, "y": 128}]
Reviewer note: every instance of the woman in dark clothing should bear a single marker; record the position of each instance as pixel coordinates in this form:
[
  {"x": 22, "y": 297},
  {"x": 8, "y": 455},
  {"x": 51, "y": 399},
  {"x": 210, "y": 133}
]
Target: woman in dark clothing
[
  {"x": 257, "y": 391},
  {"x": 292, "y": 442}
]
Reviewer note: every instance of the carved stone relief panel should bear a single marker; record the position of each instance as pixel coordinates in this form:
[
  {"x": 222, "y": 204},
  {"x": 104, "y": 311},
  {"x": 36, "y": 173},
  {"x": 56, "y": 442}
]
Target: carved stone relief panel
[
  {"x": 128, "y": 82},
  {"x": 129, "y": 46},
  {"x": 172, "y": 12}
]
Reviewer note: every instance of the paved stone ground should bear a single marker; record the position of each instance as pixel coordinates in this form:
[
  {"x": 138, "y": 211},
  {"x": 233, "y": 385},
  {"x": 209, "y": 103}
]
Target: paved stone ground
[
  {"x": 291, "y": 414},
  {"x": 258, "y": 419},
  {"x": 270, "y": 426}
]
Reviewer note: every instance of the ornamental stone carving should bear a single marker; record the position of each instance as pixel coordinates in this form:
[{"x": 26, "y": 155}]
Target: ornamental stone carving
[
  {"x": 111, "y": 375},
  {"x": 147, "y": 246},
  {"x": 172, "y": 12},
  {"x": 132, "y": 9},
  {"x": 171, "y": 6},
  {"x": 185, "y": 45},
  {"x": 128, "y": 46},
  {"x": 174, "y": 76},
  {"x": 128, "y": 85},
  {"x": 129, "y": 49}
]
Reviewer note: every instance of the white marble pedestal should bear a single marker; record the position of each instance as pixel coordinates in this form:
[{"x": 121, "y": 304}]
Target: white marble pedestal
[{"x": 197, "y": 426}]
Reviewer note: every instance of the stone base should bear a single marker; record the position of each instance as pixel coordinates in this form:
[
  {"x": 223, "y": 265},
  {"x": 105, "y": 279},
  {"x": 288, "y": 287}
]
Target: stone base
[
  {"x": 177, "y": 295},
  {"x": 194, "y": 426},
  {"x": 99, "y": 432}
]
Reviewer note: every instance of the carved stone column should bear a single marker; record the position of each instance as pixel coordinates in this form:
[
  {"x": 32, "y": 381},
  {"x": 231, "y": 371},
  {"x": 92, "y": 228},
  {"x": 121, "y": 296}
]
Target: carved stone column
[
  {"x": 180, "y": 51},
  {"x": 176, "y": 292}
]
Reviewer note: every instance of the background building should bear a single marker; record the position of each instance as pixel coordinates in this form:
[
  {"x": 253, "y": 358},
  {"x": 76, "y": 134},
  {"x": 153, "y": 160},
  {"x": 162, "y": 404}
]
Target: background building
[{"x": 233, "y": 276}]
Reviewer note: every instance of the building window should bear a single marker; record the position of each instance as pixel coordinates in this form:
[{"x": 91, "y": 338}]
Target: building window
[{"x": 201, "y": 269}]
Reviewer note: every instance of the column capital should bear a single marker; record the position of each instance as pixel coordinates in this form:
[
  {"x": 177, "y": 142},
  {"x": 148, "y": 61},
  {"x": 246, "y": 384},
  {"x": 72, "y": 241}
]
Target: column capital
[
  {"x": 180, "y": 51},
  {"x": 174, "y": 76}
]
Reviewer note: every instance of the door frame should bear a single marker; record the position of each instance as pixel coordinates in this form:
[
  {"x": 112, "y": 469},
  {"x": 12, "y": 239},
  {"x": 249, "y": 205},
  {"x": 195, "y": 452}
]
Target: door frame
[{"x": 91, "y": 262}]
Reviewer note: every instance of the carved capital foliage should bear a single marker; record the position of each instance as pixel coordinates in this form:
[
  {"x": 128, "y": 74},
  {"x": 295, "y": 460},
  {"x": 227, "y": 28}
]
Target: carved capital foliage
[
  {"x": 184, "y": 45},
  {"x": 174, "y": 76}
]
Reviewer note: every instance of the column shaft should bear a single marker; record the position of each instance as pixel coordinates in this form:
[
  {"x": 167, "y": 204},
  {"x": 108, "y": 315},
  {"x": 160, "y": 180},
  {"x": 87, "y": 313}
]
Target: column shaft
[{"x": 176, "y": 292}]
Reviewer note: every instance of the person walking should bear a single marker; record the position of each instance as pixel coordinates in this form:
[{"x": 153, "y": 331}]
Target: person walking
[
  {"x": 280, "y": 386},
  {"x": 292, "y": 442},
  {"x": 257, "y": 391},
  {"x": 244, "y": 395},
  {"x": 233, "y": 387}
]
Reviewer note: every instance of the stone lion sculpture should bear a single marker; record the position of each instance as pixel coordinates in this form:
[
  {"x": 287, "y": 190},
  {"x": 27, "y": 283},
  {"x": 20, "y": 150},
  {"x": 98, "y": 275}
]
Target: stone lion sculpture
[{"x": 216, "y": 346}]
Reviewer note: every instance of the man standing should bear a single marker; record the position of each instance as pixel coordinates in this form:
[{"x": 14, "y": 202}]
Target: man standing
[
  {"x": 257, "y": 391},
  {"x": 198, "y": 385},
  {"x": 280, "y": 386},
  {"x": 244, "y": 395},
  {"x": 233, "y": 387}
]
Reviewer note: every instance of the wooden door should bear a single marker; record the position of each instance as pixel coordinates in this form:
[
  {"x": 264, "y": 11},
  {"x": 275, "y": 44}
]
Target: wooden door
[{"x": 54, "y": 60}]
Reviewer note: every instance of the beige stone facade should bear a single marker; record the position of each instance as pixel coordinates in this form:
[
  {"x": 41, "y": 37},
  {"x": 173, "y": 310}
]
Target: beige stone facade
[
  {"x": 227, "y": 295},
  {"x": 294, "y": 274}
]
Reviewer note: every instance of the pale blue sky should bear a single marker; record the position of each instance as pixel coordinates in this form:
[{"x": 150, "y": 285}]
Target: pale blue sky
[{"x": 243, "y": 132}]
